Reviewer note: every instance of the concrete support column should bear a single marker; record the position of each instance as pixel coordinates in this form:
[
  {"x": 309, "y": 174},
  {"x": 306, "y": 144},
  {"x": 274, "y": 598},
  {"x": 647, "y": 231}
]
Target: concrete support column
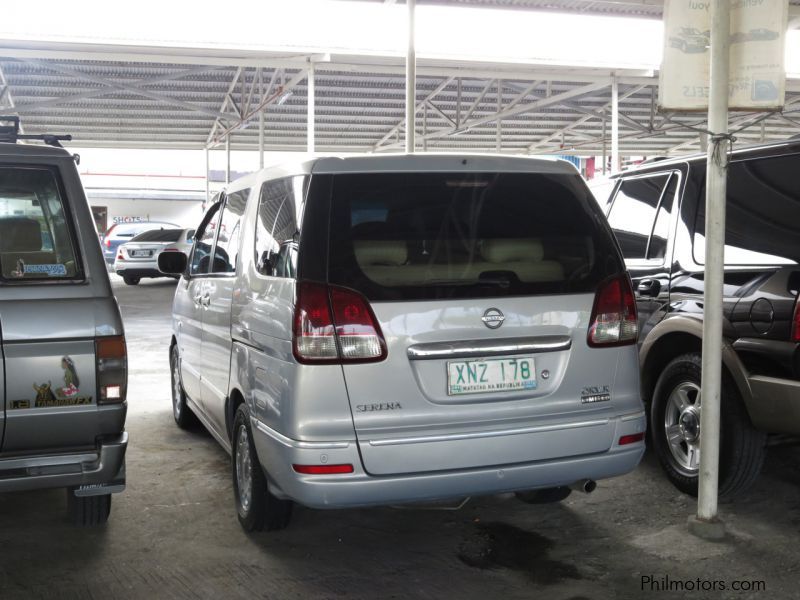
[
  {"x": 208, "y": 188},
  {"x": 227, "y": 159}
]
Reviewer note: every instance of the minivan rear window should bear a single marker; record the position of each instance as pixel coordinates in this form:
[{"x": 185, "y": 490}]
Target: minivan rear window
[
  {"x": 401, "y": 236},
  {"x": 36, "y": 242}
]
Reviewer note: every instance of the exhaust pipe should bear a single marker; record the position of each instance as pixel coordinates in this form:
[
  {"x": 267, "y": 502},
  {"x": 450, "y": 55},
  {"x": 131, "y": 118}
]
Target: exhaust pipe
[{"x": 587, "y": 486}]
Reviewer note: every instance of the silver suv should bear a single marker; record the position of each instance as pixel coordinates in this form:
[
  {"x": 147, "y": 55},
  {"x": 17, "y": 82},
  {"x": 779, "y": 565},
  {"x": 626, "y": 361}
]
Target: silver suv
[
  {"x": 62, "y": 356},
  {"x": 380, "y": 330}
]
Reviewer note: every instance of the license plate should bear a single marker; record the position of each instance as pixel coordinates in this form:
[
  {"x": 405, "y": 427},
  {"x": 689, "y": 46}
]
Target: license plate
[
  {"x": 491, "y": 375},
  {"x": 141, "y": 253}
]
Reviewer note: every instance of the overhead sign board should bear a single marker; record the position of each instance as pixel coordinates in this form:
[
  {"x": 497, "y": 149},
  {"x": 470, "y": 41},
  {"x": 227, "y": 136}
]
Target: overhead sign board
[{"x": 757, "y": 55}]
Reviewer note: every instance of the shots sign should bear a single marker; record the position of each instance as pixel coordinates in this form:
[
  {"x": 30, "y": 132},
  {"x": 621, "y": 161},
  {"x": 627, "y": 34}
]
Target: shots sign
[{"x": 757, "y": 42}]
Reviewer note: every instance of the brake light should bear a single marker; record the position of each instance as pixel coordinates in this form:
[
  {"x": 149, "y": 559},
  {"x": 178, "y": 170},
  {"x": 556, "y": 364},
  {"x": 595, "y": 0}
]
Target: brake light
[
  {"x": 107, "y": 241},
  {"x": 796, "y": 321},
  {"x": 119, "y": 254},
  {"x": 613, "y": 321},
  {"x": 333, "y": 324},
  {"x": 322, "y": 469},
  {"x": 112, "y": 369}
]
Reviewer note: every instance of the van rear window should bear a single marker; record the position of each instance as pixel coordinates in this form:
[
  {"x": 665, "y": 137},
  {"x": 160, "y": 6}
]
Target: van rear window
[
  {"x": 401, "y": 236},
  {"x": 35, "y": 235}
]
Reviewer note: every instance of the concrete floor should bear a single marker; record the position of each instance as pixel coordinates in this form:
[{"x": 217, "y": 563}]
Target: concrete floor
[{"x": 173, "y": 533}]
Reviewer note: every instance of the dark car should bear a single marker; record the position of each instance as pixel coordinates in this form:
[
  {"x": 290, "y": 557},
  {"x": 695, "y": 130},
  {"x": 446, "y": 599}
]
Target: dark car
[{"x": 658, "y": 215}]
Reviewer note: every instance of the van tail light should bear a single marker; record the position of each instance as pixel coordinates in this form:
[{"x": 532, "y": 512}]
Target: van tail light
[
  {"x": 107, "y": 241},
  {"x": 613, "y": 321},
  {"x": 334, "y": 324},
  {"x": 112, "y": 369},
  {"x": 796, "y": 321}
]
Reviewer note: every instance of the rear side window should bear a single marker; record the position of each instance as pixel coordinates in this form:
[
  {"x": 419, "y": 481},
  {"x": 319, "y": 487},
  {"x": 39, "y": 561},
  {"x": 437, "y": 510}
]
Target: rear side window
[
  {"x": 633, "y": 214},
  {"x": 460, "y": 235},
  {"x": 226, "y": 252},
  {"x": 762, "y": 223},
  {"x": 201, "y": 251},
  {"x": 36, "y": 241},
  {"x": 277, "y": 226}
]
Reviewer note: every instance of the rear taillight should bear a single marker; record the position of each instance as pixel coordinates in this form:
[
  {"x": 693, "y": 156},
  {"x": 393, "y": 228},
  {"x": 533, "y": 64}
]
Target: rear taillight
[
  {"x": 119, "y": 255},
  {"x": 107, "y": 242},
  {"x": 613, "y": 321},
  {"x": 796, "y": 322},
  {"x": 112, "y": 369},
  {"x": 333, "y": 324},
  {"x": 323, "y": 469}
]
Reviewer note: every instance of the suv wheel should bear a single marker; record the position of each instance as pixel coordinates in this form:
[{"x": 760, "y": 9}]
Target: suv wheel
[
  {"x": 131, "y": 280},
  {"x": 88, "y": 511},
  {"x": 256, "y": 507},
  {"x": 181, "y": 412},
  {"x": 675, "y": 429}
]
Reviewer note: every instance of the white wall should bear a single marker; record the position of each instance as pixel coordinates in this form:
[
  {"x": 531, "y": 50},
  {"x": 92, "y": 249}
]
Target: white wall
[{"x": 181, "y": 212}]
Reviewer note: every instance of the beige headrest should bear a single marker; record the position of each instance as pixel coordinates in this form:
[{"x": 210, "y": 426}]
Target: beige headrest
[
  {"x": 387, "y": 253},
  {"x": 512, "y": 250}
]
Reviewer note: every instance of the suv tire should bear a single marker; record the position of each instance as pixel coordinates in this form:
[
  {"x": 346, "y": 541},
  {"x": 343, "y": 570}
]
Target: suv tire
[
  {"x": 88, "y": 511},
  {"x": 675, "y": 406},
  {"x": 256, "y": 507},
  {"x": 131, "y": 280},
  {"x": 183, "y": 415}
]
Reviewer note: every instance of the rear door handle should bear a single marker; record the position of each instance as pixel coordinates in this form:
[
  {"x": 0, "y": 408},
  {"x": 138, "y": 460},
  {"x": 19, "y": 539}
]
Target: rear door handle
[{"x": 205, "y": 300}]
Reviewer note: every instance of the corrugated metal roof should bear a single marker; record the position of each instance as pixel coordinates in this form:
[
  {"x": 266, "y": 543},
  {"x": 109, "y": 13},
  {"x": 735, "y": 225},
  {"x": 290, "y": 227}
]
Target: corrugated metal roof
[{"x": 188, "y": 98}]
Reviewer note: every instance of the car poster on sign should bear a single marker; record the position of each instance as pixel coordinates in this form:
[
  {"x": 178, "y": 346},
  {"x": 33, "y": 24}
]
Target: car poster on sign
[{"x": 757, "y": 55}]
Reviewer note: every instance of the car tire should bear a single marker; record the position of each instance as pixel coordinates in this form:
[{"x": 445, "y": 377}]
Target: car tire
[
  {"x": 256, "y": 507},
  {"x": 88, "y": 511},
  {"x": 131, "y": 280},
  {"x": 675, "y": 409},
  {"x": 183, "y": 415},
  {"x": 545, "y": 496}
]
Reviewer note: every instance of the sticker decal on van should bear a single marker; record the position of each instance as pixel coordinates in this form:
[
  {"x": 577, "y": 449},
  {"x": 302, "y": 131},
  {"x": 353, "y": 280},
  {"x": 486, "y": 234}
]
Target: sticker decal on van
[
  {"x": 49, "y": 270},
  {"x": 47, "y": 396}
]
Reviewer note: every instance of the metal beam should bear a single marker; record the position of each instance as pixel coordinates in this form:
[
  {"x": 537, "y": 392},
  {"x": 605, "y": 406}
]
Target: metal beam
[
  {"x": 6, "y": 93},
  {"x": 225, "y": 100},
  {"x": 411, "y": 78},
  {"x": 596, "y": 114},
  {"x": 127, "y": 88},
  {"x": 35, "y": 106},
  {"x": 310, "y": 100},
  {"x": 419, "y": 106},
  {"x": 517, "y": 110}
]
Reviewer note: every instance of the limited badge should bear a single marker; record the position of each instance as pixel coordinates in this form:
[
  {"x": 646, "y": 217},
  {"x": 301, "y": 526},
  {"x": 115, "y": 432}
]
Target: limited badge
[{"x": 595, "y": 393}]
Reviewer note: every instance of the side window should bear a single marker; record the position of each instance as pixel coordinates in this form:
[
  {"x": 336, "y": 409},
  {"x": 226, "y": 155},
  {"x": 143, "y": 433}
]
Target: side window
[
  {"x": 204, "y": 240},
  {"x": 633, "y": 213},
  {"x": 35, "y": 229},
  {"x": 277, "y": 226},
  {"x": 657, "y": 248},
  {"x": 226, "y": 252},
  {"x": 763, "y": 212}
]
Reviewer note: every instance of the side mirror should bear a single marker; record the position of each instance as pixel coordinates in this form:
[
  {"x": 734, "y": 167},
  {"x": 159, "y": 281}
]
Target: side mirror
[
  {"x": 172, "y": 263},
  {"x": 266, "y": 264}
]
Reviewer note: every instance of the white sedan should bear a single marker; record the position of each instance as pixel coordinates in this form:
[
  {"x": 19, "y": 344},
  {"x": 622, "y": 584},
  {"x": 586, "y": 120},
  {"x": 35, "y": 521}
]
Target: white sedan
[{"x": 139, "y": 257}]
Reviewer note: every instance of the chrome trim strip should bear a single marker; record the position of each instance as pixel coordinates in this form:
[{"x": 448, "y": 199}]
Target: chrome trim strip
[
  {"x": 497, "y": 347},
  {"x": 290, "y": 443},
  {"x": 486, "y": 434}
]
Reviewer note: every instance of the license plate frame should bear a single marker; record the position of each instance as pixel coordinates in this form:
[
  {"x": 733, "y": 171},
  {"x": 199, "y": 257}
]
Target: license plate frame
[
  {"x": 461, "y": 380},
  {"x": 141, "y": 253}
]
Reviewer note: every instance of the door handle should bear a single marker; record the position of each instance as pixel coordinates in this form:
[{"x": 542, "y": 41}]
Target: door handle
[
  {"x": 197, "y": 298},
  {"x": 205, "y": 300},
  {"x": 649, "y": 287}
]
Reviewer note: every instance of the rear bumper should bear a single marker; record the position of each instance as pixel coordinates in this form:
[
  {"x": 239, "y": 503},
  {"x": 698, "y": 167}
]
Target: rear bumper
[
  {"x": 91, "y": 470},
  {"x": 776, "y": 404},
  {"x": 131, "y": 271},
  {"x": 277, "y": 454}
]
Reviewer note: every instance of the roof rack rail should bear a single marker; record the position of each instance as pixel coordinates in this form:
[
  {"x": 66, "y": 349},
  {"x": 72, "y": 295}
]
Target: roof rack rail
[{"x": 9, "y": 133}]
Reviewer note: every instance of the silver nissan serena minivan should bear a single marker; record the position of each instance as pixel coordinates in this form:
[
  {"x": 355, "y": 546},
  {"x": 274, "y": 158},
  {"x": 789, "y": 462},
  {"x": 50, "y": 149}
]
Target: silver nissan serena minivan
[
  {"x": 63, "y": 363},
  {"x": 394, "y": 329}
]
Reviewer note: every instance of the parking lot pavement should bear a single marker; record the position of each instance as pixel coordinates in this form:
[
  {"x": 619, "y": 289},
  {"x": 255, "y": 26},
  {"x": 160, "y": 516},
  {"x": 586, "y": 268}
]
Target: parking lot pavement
[{"x": 173, "y": 532}]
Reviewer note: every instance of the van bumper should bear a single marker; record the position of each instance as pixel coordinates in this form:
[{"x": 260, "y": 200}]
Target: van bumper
[
  {"x": 95, "y": 472},
  {"x": 278, "y": 453}
]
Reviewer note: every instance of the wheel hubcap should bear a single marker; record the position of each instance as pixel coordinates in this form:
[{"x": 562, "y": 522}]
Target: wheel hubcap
[
  {"x": 244, "y": 468},
  {"x": 682, "y": 426},
  {"x": 176, "y": 389}
]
